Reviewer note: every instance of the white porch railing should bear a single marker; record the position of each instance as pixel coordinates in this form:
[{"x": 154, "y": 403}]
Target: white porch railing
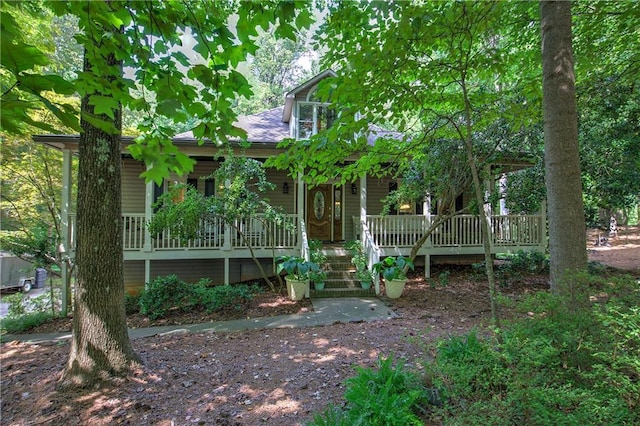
[
  {"x": 211, "y": 236},
  {"x": 457, "y": 231}
]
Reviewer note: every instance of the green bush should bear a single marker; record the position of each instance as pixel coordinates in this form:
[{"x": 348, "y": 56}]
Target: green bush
[
  {"x": 573, "y": 360},
  {"x": 25, "y": 322},
  {"x": 387, "y": 396},
  {"x": 226, "y": 296},
  {"x": 164, "y": 294},
  {"x": 131, "y": 303},
  {"x": 16, "y": 304}
]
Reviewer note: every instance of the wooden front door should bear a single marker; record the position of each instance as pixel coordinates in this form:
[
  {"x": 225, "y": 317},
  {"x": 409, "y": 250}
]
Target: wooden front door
[{"x": 319, "y": 213}]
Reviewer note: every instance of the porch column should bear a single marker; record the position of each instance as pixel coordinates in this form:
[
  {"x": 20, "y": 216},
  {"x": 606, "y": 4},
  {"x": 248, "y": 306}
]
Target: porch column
[
  {"x": 363, "y": 205},
  {"x": 148, "y": 215},
  {"x": 300, "y": 209},
  {"x": 488, "y": 184},
  {"x": 543, "y": 226},
  {"x": 426, "y": 210},
  {"x": 64, "y": 249}
]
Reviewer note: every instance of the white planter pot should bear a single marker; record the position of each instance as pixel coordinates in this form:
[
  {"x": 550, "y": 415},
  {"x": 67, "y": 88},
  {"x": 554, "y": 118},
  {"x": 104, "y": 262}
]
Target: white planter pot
[
  {"x": 296, "y": 289},
  {"x": 394, "y": 288}
]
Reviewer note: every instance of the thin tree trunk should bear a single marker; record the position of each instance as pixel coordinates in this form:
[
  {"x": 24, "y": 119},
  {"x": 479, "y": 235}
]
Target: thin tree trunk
[
  {"x": 100, "y": 347},
  {"x": 567, "y": 229}
]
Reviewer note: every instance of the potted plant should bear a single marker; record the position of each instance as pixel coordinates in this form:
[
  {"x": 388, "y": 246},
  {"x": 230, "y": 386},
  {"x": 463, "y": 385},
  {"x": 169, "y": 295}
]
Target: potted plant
[
  {"x": 360, "y": 260},
  {"x": 298, "y": 271},
  {"x": 394, "y": 271},
  {"x": 365, "y": 277},
  {"x": 318, "y": 278}
]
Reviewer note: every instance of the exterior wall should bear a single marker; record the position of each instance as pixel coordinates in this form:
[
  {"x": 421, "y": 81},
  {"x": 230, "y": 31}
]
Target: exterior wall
[
  {"x": 302, "y": 95},
  {"x": 276, "y": 196},
  {"x": 377, "y": 189},
  {"x": 351, "y": 209},
  {"x": 133, "y": 187},
  {"x": 190, "y": 270},
  {"x": 133, "y": 276}
]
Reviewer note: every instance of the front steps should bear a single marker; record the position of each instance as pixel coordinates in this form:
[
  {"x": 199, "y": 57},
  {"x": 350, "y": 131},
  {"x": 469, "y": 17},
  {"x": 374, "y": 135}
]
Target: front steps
[{"x": 341, "y": 279}]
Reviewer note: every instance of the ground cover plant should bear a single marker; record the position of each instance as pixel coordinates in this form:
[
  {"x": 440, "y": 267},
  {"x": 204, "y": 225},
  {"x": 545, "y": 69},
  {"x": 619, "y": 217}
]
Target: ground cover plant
[
  {"x": 573, "y": 358},
  {"x": 385, "y": 395},
  {"x": 25, "y": 313}
]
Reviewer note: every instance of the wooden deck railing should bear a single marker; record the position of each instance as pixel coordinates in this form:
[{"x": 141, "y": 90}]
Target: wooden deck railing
[
  {"x": 458, "y": 231},
  {"x": 258, "y": 232}
]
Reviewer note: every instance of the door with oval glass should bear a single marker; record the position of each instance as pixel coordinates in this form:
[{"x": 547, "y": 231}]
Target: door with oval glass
[{"x": 324, "y": 213}]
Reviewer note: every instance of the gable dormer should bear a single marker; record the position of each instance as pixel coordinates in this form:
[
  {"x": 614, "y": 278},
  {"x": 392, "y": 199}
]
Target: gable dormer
[{"x": 303, "y": 111}]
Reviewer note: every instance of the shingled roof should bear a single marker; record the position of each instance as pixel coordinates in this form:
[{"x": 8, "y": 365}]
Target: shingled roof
[{"x": 263, "y": 127}]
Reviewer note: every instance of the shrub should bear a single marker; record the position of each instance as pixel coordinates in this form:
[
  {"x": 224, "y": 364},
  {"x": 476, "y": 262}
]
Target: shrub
[
  {"x": 169, "y": 293},
  {"x": 131, "y": 303},
  {"x": 572, "y": 360},
  {"x": 387, "y": 395},
  {"x": 16, "y": 304},
  {"x": 226, "y": 296},
  {"x": 166, "y": 293},
  {"x": 25, "y": 322}
]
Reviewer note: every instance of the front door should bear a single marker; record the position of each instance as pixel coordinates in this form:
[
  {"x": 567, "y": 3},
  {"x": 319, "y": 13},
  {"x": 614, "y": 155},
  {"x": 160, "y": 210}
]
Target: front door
[{"x": 319, "y": 213}]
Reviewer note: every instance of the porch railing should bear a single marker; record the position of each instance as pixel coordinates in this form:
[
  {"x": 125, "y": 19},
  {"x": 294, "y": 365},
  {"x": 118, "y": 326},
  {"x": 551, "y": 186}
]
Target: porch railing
[
  {"x": 457, "y": 231},
  {"x": 212, "y": 234}
]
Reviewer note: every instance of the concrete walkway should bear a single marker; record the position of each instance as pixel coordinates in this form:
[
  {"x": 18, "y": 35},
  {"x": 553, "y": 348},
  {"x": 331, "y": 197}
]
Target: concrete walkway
[{"x": 325, "y": 312}]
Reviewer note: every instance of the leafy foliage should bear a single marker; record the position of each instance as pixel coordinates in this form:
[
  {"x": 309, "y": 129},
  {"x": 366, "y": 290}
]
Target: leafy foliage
[
  {"x": 245, "y": 182},
  {"x": 297, "y": 267},
  {"x": 572, "y": 361},
  {"x": 168, "y": 293},
  {"x": 22, "y": 323},
  {"x": 387, "y": 395},
  {"x": 393, "y": 268}
]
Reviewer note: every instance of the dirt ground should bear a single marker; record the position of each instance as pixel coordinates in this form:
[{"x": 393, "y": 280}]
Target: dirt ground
[{"x": 275, "y": 377}]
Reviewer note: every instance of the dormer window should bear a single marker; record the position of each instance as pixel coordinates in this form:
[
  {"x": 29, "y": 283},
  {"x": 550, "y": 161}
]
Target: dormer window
[{"x": 313, "y": 116}]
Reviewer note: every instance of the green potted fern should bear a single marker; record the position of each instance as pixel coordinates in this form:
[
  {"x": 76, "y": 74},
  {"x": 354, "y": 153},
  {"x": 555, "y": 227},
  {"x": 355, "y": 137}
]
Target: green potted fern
[
  {"x": 298, "y": 272},
  {"x": 365, "y": 277},
  {"x": 319, "y": 276},
  {"x": 394, "y": 272},
  {"x": 360, "y": 260}
]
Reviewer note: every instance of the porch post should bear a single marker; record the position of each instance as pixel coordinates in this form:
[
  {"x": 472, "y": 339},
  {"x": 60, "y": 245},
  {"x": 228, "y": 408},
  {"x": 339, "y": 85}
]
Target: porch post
[
  {"x": 300, "y": 210},
  {"x": 488, "y": 208},
  {"x": 147, "y": 272},
  {"x": 148, "y": 215},
  {"x": 543, "y": 226},
  {"x": 363, "y": 205},
  {"x": 64, "y": 249}
]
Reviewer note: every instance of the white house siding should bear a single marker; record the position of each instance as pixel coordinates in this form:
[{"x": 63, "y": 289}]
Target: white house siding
[
  {"x": 133, "y": 276},
  {"x": 377, "y": 189},
  {"x": 190, "y": 270},
  {"x": 351, "y": 209},
  {"x": 133, "y": 187}
]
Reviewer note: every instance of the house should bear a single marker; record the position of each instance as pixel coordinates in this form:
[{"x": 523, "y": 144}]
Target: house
[{"x": 330, "y": 212}]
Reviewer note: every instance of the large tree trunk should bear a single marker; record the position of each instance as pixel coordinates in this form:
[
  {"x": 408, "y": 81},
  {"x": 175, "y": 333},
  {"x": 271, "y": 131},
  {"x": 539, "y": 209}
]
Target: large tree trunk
[
  {"x": 567, "y": 229},
  {"x": 100, "y": 347}
]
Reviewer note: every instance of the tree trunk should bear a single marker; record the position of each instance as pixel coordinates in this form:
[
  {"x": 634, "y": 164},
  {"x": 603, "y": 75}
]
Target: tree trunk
[
  {"x": 100, "y": 347},
  {"x": 567, "y": 229}
]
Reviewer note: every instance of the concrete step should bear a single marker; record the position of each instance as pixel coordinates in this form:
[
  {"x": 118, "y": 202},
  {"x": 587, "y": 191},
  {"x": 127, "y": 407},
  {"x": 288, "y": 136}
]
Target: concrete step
[{"x": 342, "y": 292}]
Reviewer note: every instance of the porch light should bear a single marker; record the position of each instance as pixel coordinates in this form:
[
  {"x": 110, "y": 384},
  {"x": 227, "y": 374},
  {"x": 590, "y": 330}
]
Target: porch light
[
  {"x": 354, "y": 189},
  {"x": 285, "y": 188}
]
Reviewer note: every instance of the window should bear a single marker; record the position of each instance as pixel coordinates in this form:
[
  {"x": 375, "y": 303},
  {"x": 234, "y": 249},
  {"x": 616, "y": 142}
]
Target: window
[
  {"x": 158, "y": 190},
  {"x": 312, "y": 118},
  {"x": 408, "y": 207},
  {"x": 209, "y": 188}
]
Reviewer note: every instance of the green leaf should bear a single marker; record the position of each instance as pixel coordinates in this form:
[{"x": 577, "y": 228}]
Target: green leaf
[
  {"x": 104, "y": 105},
  {"x": 105, "y": 126}
]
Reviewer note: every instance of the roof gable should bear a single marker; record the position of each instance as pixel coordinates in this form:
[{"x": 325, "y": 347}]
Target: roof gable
[{"x": 291, "y": 95}]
